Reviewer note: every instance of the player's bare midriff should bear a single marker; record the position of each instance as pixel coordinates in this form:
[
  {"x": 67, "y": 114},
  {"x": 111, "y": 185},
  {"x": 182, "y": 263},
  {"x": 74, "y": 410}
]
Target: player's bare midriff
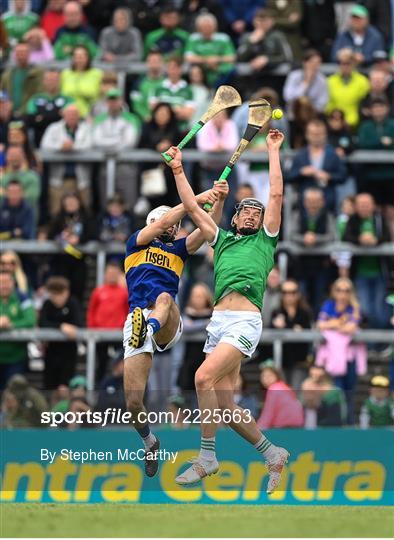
[{"x": 234, "y": 301}]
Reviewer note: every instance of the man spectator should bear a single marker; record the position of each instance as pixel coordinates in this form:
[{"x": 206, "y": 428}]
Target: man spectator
[
  {"x": 347, "y": 88},
  {"x": 17, "y": 168},
  {"x": 147, "y": 85},
  {"x": 313, "y": 226},
  {"x": 22, "y": 404},
  {"x": 121, "y": 42},
  {"x": 177, "y": 92},
  {"x": 361, "y": 37},
  {"x": 18, "y": 21},
  {"x": 108, "y": 308},
  {"x": 211, "y": 49},
  {"x": 170, "y": 39},
  {"x": 73, "y": 33},
  {"x": 318, "y": 25},
  {"x": 265, "y": 46},
  {"x": 114, "y": 131},
  {"x": 62, "y": 312},
  {"x": 111, "y": 393},
  {"x": 378, "y": 134},
  {"x": 381, "y": 86},
  {"x": 22, "y": 80},
  {"x": 366, "y": 228},
  {"x": 45, "y": 108},
  {"x": 16, "y": 312},
  {"x": 381, "y": 14},
  {"x": 288, "y": 18},
  {"x": 115, "y": 225},
  {"x": 53, "y": 18},
  {"x": 71, "y": 134},
  {"x": 239, "y": 15},
  {"x": 17, "y": 217},
  {"x": 308, "y": 82},
  {"x": 317, "y": 164}
]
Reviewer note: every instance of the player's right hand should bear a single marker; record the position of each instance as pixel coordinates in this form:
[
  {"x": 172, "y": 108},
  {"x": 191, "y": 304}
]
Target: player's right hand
[
  {"x": 208, "y": 196},
  {"x": 176, "y": 155},
  {"x": 221, "y": 188}
]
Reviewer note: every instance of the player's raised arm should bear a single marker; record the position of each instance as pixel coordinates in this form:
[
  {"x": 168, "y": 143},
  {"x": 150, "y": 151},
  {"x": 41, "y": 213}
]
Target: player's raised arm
[
  {"x": 272, "y": 215},
  {"x": 203, "y": 220}
]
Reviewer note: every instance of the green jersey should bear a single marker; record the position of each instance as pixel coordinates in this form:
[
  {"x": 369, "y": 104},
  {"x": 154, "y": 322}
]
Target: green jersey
[
  {"x": 381, "y": 413},
  {"x": 242, "y": 264},
  {"x": 219, "y": 45},
  {"x": 141, "y": 97},
  {"x": 168, "y": 42},
  {"x": 17, "y": 25},
  {"x": 178, "y": 94}
]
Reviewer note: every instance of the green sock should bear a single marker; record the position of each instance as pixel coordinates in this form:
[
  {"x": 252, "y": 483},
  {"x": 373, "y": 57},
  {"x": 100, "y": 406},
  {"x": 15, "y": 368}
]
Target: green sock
[
  {"x": 207, "y": 448},
  {"x": 264, "y": 447}
]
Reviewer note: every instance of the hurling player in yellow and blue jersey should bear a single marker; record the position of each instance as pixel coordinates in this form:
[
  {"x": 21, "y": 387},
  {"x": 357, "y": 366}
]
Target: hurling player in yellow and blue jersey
[{"x": 154, "y": 262}]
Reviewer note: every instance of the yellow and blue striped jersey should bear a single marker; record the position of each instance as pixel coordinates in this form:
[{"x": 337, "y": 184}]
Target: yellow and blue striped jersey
[{"x": 152, "y": 269}]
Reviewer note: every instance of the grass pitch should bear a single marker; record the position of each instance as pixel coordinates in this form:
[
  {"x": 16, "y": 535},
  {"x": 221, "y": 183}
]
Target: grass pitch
[{"x": 192, "y": 520}]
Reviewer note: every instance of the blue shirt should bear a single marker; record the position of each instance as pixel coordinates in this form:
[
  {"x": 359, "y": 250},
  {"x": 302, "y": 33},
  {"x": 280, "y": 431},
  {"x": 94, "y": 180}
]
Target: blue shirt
[
  {"x": 329, "y": 311},
  {"x": 152, "y": 269}
]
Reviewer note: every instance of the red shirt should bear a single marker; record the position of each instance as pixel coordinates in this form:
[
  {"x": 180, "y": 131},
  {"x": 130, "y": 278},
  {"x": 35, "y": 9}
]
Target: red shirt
[
  {"x": 281, "y": 408},
  {"x": 108, "y": 307},
  {"x": 51, "y": 21}
]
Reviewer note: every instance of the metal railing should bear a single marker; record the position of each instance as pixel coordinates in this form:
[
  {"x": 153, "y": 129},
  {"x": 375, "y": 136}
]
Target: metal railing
[{"x": 91, "y": 337}]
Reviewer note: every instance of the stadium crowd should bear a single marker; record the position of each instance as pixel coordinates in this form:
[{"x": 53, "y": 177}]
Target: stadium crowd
[{"x": 65, "y": 88}]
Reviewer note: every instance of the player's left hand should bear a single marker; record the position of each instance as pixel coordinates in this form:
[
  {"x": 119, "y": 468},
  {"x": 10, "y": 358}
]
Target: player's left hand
[
  {"x": 222, "y": 189},
  {"x": 208, "y": 196},
  {"x": 274, "y": 139}
]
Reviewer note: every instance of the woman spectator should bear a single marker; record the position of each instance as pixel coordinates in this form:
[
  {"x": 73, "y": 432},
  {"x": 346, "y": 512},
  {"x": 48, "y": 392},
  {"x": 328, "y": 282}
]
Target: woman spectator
[
  {"x": 121, "y": 42},
  {"x": 195, "y": 318},
  {"x": 281, "y": 408},
  {"x": 17, "y": 136},
  {"x": 338, "y": 320},
  {"x": 82, "y": 81},
  {"x": 295, "y": 314},
  {"x": 201, "y": 93},
  {"x": 11, "y": 262},
  {"x": 159, "y": 134},
  {"x": 71, "y": 227},
  {"x": 339, "y": 134}
]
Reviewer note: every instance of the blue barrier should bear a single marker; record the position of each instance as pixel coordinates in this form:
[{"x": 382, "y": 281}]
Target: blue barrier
[{"x": 327, "y": 466}]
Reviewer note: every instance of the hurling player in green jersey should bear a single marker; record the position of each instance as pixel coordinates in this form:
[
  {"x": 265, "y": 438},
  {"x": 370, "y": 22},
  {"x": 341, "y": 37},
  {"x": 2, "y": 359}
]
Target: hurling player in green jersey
[{"x": 243, "y": 258}]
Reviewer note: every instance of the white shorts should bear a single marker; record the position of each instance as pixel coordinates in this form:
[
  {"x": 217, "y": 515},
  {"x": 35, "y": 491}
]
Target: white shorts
[
  {"x": 242, "y": 329},
  {"x": 150, "y": 345}
]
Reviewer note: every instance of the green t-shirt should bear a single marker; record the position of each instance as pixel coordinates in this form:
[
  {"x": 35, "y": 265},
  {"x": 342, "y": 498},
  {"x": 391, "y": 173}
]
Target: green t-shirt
[
  {"x": 368, "y": 266},
  {"x": 18, "y": 25},
  {"x": 380, "y": 413},
  {"x": 168, "y": 42},
  {"x": 175, "y": 94},
  {"x": 67, "y": 41},
  {"x": 19, "y": 309},
  {"x": 140, "y": 98},
  {"x": 219, "y": 45},
  {"x": 242, "y": 264}
]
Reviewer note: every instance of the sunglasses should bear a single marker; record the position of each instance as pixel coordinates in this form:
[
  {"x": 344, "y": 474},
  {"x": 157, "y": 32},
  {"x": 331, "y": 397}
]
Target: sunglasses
[
  {"x": 293, "y": 291},
  {"x": 343, "y": 290}
]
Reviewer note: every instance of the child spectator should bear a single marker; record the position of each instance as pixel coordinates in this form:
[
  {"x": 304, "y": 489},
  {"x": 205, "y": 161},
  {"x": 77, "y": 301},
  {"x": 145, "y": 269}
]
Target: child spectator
[
  {"x": 63, "y": 312},
  {"x": 378, "y": 408}
]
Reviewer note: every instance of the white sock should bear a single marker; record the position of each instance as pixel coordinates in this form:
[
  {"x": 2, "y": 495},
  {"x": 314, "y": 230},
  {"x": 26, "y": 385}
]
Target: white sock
[
  {"x": 149, "y": 441},
  {"x": 264, "y": 447},
  {"x": 207, "y": 451}
]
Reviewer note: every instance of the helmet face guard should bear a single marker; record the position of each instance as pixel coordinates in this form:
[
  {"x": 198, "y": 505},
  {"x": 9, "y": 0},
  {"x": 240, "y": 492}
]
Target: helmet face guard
[
  {"x": 247, "y": 203},
  {"x": 155, "y": 215}
]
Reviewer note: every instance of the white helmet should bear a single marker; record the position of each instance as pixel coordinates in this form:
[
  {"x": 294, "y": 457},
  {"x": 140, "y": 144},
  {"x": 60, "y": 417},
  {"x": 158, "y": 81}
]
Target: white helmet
[{"x": 155, "y": 215}]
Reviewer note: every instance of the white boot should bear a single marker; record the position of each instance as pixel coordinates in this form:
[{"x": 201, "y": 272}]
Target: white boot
[
  {"x": 275, "y": 467},
  {"x": 199, "y": 469}
]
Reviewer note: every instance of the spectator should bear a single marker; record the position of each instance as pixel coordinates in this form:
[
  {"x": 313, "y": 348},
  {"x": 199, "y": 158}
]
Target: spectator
[
  {"x": 338, "y": 320},
  {"x": 239, "y": 15},
  {"x": 211, "y": 49},
  {"x": 272, "y": 296},
  {"x": 41, "y": 50},
  {"x": 281, "y": 408},
  {"x": 307, "y": 82},
  {"x": 45, "y": 108},
  {"x": 22, "y": 404},
  {"x": 63, "y": 394},
  {"x": 159, "y": 134},
  {"x": 17, "y": 135},
  {"x": 176, "y": 91},
  {"x": 378, "y": 134},
  {"x": 219, "y": 136},
  {"x": 324, "y": 403},
  {"x": 191, "y": 9},
  {"x": 265, "y": 47},
  {"x": 71, "y": 227},
  {"x": 121, "y": 42},
  {"x": 17, "y": 168},
  {"x": 347, "y": 88},
  {"x": 318, "y": 25},
  {"x": 201, "y": 94},
  {"x": 53, "y": 18},
  {"x": 108, "y": 308},
  {"x": 294, "y": 314},
  {"x": 63, "y": 312},
  {"x": 22, "y": 80},
  {"x": 18, "y": 21},
  {"x": 367, "y": 227},
  {"x": 6, "y": 117},
  {"x": 82, "y": 81},
  {"x": 16, "y": 312},
  {"x": 4, "y": 45},
  {"x": 67, "y": 135},
  {"x": 108, "y": 81},
  {"x": 170, "y": 39},
  {"x": 111, "y": 393},
  {"x": 244, "y": 398},
  {"x": 11, "y": 262},
  {"x": 116, "y": 223},
  {"x": 73, "y": 34},
  {"x": 288, "y": 18},
  {"x": 317, "y": 164},
  {"x": 378, "y": 408},
  {"x": 343, "y": 259},
  {"x": 147, "y": 86},
  {"x": 17, "y": 216},
  {"x": 381, "y": 14},
  {"x": 146, "y": 14},
  {"x": 362, "y": 38},
  {"x": 339, "y": 134},
  {"x": 304, "y": 112},
  {"x": 195, "y": 317},
  {"x": 380, "y": 87}
]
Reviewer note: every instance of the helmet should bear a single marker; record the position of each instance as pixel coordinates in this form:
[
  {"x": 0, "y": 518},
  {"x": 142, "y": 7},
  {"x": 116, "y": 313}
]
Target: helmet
[
  {"x": 248, "y": 203},
  {"x": 155, "y": 215}
]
